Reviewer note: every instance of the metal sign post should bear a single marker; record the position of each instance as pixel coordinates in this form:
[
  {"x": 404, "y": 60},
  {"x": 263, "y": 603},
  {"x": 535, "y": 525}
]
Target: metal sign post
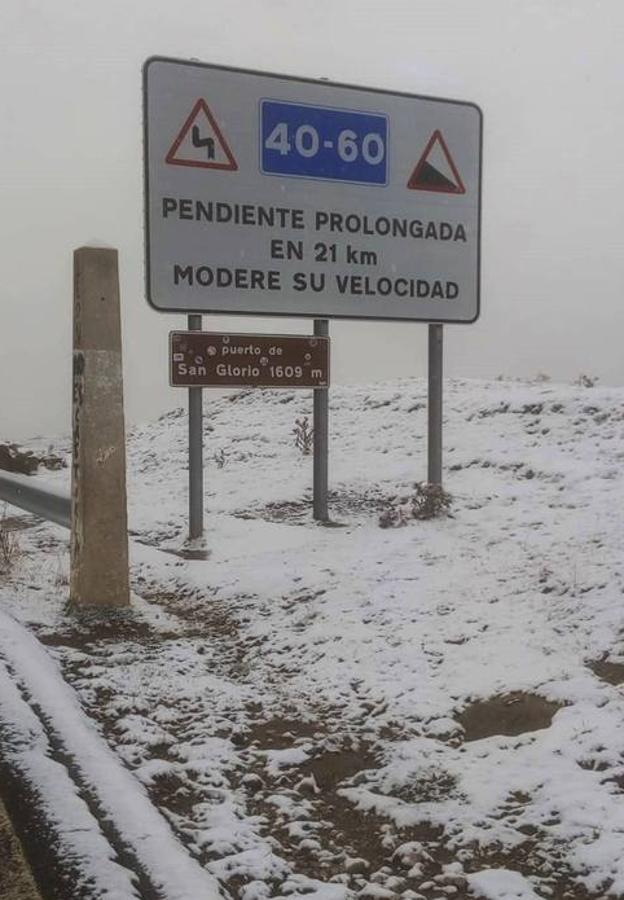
[
  {"x": 321, "y": 438},
  {"x": 434, "y": 445},
  {"x": 196, "y": 452}
]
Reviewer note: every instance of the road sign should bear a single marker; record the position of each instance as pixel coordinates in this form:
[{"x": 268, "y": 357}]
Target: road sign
[
  {"x": 208, "y": 359},
  {"x": 270, "y": 195},
  {"x": 436, "y": 171},
  {"x": 200, "y": 143}
]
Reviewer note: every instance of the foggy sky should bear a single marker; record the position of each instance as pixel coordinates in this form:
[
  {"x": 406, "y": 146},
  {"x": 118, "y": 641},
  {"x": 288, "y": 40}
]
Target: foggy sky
[{"x": 548, "y": 75}]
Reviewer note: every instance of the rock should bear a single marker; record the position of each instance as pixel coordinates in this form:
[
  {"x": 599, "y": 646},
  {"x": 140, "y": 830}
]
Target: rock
[
  {"x": 12, "y": 459},
  {"x": 252, "y": 782},
  {"x": 308, "y": 785},
  {"x": 381, "y": 875},
  {"x": 394, "y": 883},
  {"x": 410, "y": 853},
  {"x": 239, "y": 738},
  {"x": 355, "y": 865},
  {"x": 309, "y": 844},
  {"x": 376, "y": 892},
  {"x": 24, "y": 462},
  {"x": 452, "y": 876}
]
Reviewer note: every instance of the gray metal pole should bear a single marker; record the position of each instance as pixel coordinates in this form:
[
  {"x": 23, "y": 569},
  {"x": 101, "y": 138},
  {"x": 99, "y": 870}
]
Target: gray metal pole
[
  {"x": 321, "y": 438},
  {"x": 434, "y": 446},
  {"x": 196, "y": 452}
]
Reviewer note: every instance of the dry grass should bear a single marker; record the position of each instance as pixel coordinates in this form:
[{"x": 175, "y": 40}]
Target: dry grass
[
  {"x": 304, "y": 436},
  {"x": 428, "y": 501}
]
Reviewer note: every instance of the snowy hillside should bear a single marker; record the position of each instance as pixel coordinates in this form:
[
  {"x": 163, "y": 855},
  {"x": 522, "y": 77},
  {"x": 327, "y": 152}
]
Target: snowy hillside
[{"x": 423, "y": 711}]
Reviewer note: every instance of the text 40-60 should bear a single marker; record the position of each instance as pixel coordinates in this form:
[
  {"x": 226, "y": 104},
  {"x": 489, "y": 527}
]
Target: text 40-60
[{"x": 307, "y": 143}]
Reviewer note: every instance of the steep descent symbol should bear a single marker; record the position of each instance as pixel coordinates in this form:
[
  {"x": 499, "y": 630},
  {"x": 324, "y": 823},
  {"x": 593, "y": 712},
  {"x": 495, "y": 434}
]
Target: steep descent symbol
[
  {"x": 200, "y": 143},
  {"x": 435, "y": 170}
]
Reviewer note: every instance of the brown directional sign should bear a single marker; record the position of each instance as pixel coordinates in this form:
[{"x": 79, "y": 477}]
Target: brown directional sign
[{"x": 210, "y": 359}]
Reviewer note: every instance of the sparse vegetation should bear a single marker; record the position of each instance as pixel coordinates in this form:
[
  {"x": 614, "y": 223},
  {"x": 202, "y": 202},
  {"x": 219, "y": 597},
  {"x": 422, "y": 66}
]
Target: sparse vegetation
[
  {"x": 220, "y": 458},
  {"x": 10, "y": 551},
  {"x": 429, "y": 501},
  {"x": 587, "y": 381},
  {"x": 14, "y": 458},
  {"x": 61, "y": 579},
  {"x": 304, "y": 436}
]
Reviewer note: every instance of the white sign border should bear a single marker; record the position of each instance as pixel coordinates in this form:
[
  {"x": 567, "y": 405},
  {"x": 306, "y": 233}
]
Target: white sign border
[{"x": 321, "y": 83}]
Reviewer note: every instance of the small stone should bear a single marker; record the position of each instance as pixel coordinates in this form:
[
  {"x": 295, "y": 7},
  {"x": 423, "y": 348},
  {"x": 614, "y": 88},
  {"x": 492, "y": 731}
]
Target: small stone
[
  {"x": 453, "y": 878},
  {"x": 252, "y": 782},
  {"x": 454, "y": 868},
  {"x": 410, "y": 853},
  {"x": 308, "y": 785},
  {"x": 309, "y": 844},
  {"x": 416, "y": 871},
  {"x": 394, "y": 883},
  {"x": 355, "y": 865},
  {"x": 377, "y": 892}
]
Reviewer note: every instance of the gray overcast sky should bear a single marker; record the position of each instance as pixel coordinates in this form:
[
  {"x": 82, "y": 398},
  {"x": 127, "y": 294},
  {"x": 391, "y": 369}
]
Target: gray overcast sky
[{"x": 548, "y": 74}]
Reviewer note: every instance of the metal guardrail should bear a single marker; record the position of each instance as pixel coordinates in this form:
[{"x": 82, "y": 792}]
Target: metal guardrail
[{"x": 42, "y": 500}]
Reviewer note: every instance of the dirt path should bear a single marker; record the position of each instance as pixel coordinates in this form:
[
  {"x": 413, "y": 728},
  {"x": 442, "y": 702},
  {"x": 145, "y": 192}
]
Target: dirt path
[{"x": 16, "y": 881}]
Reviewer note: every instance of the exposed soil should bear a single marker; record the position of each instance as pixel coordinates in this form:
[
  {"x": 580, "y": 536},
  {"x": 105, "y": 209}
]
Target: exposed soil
[
  {"x": 343, "y": 504},
  {"x": 611, "y": 672},
  {"x": 48, "y": 869},
  {"x": 330, "y": 839},
  {"x": 335, "y": 766},
  {"x": 16, "y": 880},
  {"x": 280, "y": 733},
  {"x": 334, "y": 840},
  {"x": 96, "y": 627},
  {"x": 509, "y": 714}
]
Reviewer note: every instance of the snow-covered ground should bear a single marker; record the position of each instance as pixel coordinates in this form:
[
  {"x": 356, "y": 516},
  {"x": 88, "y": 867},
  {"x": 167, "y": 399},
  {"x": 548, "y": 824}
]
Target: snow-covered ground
[{"x": 426, "y": 710}]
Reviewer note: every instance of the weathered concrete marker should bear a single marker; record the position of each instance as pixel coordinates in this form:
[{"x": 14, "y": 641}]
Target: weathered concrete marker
[{"x": 99, "y": 538}]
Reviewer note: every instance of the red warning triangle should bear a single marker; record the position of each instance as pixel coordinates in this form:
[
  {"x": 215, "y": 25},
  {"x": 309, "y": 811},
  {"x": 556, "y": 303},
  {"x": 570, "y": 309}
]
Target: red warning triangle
[
  {"x": 435, "y": 170},
  {"x": 201, "y": 143}
]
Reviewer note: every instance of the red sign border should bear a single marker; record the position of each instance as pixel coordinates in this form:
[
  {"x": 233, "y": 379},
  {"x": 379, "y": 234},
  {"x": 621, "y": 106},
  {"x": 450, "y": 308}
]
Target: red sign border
[{"x": 201, "y": 104}]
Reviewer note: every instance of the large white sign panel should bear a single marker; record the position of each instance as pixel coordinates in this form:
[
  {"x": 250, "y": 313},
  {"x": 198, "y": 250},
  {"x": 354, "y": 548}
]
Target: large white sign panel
[{"x": 269, "y": 195}]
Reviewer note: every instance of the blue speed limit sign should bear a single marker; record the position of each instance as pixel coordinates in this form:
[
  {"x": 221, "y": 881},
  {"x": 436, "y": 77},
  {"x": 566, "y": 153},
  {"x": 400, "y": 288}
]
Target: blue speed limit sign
[{"x": 323, "y": 142}]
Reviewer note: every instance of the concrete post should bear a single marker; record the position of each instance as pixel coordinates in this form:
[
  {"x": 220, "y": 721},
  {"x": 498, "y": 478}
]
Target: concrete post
[{"x": 99, "y": 536}]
